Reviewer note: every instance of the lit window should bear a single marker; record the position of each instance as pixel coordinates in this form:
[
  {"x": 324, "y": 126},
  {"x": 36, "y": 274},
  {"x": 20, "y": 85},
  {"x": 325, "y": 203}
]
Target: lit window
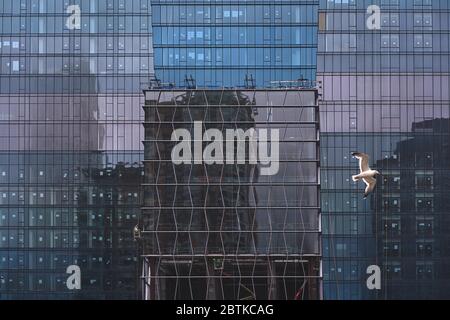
[{"x": 15, "y": 66}]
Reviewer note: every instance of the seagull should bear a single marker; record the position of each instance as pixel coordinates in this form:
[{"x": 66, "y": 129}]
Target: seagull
[{"x": 366, "y": 174}]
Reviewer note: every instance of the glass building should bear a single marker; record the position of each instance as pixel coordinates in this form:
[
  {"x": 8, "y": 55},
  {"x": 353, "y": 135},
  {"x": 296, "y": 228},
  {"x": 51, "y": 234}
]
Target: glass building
[
  {"x": 385, "y": 93},
  {"x": 71, "y": 120},
  {"x": 229, "y": 229},
  {"x": 224, "y": 231},
  {"x": 219, "y": 43},
  {"x": 70, "y": 146},
  {"x": 72, "y": 160}
]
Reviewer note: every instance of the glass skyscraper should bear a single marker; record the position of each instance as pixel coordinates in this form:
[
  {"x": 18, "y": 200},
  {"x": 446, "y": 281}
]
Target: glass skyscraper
[
  {"x": 224, "y": 231},
  {"x": 229, "y": 229},
  {"x": 385, "y": 93},
  {"x": 219, "y": 43},
  {"x": 70, "y": 141},
  {"x": 71, "y": 120},
  {"x": 75, "y": 175}
]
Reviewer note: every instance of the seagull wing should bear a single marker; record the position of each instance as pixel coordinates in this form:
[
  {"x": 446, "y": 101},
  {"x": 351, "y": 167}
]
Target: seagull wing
[
  {"x": 363, "y": 161},
  {"x": 370, "y": 183}
]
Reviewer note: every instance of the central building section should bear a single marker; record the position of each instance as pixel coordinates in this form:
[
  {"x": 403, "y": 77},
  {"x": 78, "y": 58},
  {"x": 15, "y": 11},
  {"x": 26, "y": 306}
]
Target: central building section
[{"x": 231, "y": 194}]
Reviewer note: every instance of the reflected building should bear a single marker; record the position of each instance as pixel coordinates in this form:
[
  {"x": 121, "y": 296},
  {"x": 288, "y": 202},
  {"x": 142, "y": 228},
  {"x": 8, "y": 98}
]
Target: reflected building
[
  {"x": 225, "y": 230},
  {"x": 70, "y": 150},
  {"x": 107, "y": 215},
  {"x": 413, "y": 246},
  {"x": 381, "y": 90},
  {"x": 235, "y": 233}
]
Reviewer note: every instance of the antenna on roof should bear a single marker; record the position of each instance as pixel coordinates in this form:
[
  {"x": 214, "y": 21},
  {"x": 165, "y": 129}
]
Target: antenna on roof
[
  {"x": 249, "y": 82},
  {"x": 155, "y": 82},
  {"x": 190, "y": 82}
]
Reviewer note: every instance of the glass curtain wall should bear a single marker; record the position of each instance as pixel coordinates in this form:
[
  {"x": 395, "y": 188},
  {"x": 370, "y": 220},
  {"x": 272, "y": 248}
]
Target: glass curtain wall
[
  {"x": 70, "y": 145},
  {"x": 385, "y": 93}
]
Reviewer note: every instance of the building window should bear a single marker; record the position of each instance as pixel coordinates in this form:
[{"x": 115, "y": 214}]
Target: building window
[
  {"x": 322, "y": 21},
  {"x": 393, "y": 271},
  {"x": 390, "y": 20},
  {"x": 427, "y": 20},
  {"x": 424, "y": 204},
  {"x": 424, "y": 249},
  {"x": 391, "y": 181},
  {"x": 391, "y": 205},
  {"x": 424, "y": 228},
  {"x": 424, "y": 271},
  {"x": 418, "y": 20},
  {"x": 390, "y": 41},
  {"x": 340, "y": 42},
  {"x": 423, "y": 20},
  {"x": 423, "y": 41},
  {"x": 424, "y": 181},
  {"x": 392, "y": 249},
  {"x": 418, "y": 41},
  {"x": 422, "y": 2},
  {"x": 424, "y": 159},
  {"x": 392, "y": 227},
  {"x": 428, "y": 41}
]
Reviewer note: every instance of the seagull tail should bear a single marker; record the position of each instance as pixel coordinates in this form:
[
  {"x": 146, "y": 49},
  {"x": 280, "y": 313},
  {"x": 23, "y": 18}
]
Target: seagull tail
[{"x": 355, "y": 178}]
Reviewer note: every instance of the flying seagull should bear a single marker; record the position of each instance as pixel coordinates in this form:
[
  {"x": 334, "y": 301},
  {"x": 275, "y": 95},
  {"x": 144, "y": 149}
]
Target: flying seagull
[{"x": 366, "y": 174}]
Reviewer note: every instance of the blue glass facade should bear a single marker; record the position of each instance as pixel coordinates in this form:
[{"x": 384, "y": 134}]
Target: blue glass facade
[
  {"x": 385, "y": 93},
  {"x": 220, "y": 42},
  {"x": 71, "y": 157},
  {"x": 71, "y": 120}
]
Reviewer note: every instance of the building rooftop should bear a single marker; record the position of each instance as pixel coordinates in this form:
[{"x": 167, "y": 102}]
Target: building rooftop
[{"x": 190, "y": 85}]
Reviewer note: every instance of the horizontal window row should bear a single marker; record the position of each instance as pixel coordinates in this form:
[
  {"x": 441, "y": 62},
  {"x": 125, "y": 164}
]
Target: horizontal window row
[
  {"x": 233, "y": 243},
  {"x": 402, "y": 20},
  {"x": 234, "y": 35},
  {"x": 219, "y": 13},
  {"x": 385, "y": 4},
  {"x": 414, "y": 93},
  {"x": 56, "y": 197},
  {"x": 88, "y": 66},
  {"x": 257, "y": 196},
  {"x": 409, "y": 43},
  {"x": 84, "y": 44},
  {"x": 58, "y": 24},
  {"x": 56, "y": 239},
  {"x": 59, "y": 7},
  {"x": 199, "y": 57}
]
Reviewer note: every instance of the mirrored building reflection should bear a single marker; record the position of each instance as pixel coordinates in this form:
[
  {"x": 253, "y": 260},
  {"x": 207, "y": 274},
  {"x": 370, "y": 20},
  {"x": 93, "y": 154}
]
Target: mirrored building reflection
[
  {"x": 385, "y": 93},
  {"x": 413, "y": 220},
  {"x": 225, "y": 230},
  {"x": 70, "y": 132}
]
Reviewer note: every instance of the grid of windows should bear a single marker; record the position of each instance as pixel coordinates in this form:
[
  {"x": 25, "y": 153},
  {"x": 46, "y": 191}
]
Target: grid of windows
[
  {"x": 219, "y": 43},
  {"x": 226, "y": 230},
  {"x": 70, "y": 151},
  {"x": 386, "y": 94}
]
